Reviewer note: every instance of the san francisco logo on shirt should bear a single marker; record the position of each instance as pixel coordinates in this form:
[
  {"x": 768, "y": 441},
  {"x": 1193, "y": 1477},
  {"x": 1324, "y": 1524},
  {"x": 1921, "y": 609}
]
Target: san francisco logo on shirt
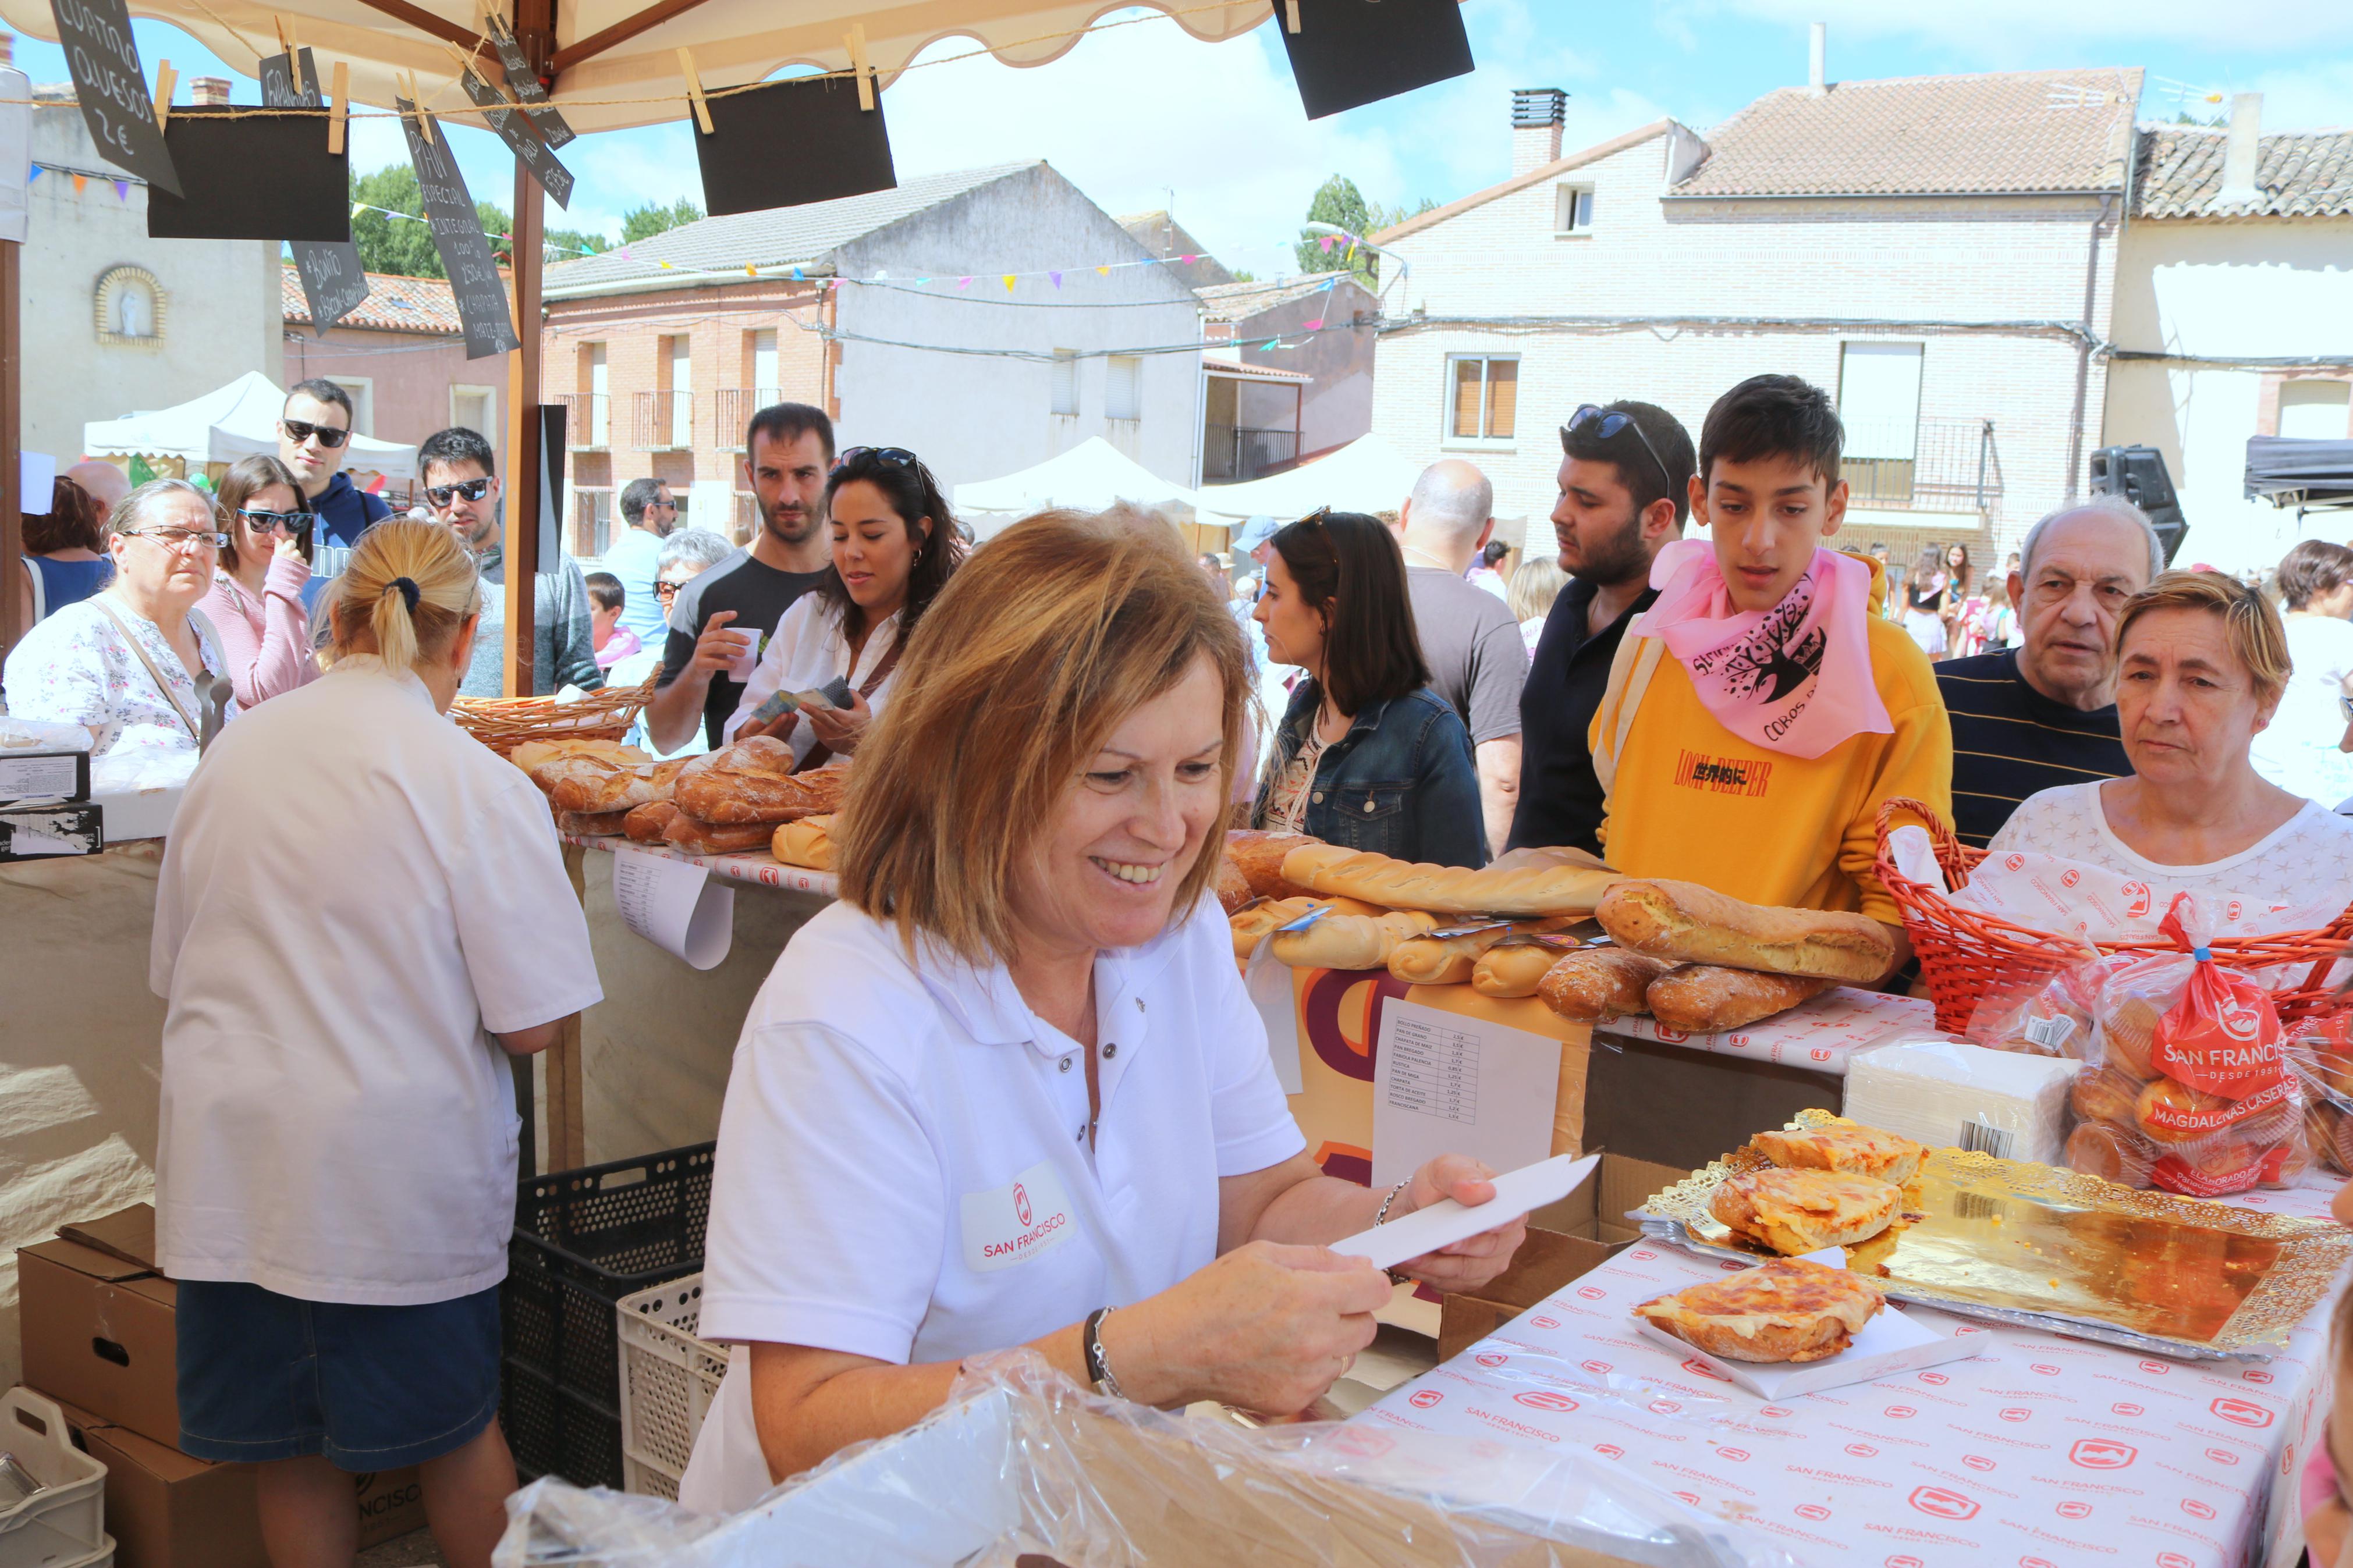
[{"x": 1013, "y": 1224}]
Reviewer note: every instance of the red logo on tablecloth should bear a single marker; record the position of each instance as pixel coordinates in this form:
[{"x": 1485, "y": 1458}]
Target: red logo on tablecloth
[
  {"x": 1812, "y": 1510},
  {"x": 2100, "y": 1453},
  {"x": 2223, "y": 1455},
  {"x": 1546, "y": 1399},
  {"x": 2015, "y": 1414},
  {"x": 2069, "y": 878},
  {"x": 1363, "y": 1442},
  {"x": 2014, "y": 862},
  {"x": 2045, "y": 1368},
  {"x": 2074, "y": 1508},
  {"x": 1977, "y": 1461},
  {"x": 1663, "y": 1408},
  {"x": 1021, "y": 1204},
  {"x": 2037, "y": 1561},
  {"x": 1901, "y": 1412},
  {"x": 2196, "y": 1509},
  {"x": 1862, "y": 1450},
  {"x": 2257, "y": 1374},
  {"x": 1944, "y": 1503},
  {"x": 1905, "y": 1562},
  {"x": 2155, "y": 1368},
  {"x": 1643, "y": 1257},
  {"x": 1960, "y": 1328},
  {"x": 1423, "y": 1398},
  {"x": 2232, "y": 910},
  {"x": 1672, "y": 1037},
  {"x": 1698, "y": 1368},
  {"x": 2127, "y": 1408},
  {"x": 1591, "y": 1292},
  {"x": 1545, "y": 1322},
  {"x": 1609, "y": 1451},
  {"x": 2173, "y": 1559},
  {"x": 1935, "y": 1377},
  {"x": 1738, "y": 1456},
  {"x": 2135, "y": 899},
  {"x": 1690, "y": 1498},
  {"x": 1489, "y": 1358},
  {"x": 1596, "y": 1367},
  {"x": 2240, "y": 1413},
  {"x": 1775, "y": 1410}
]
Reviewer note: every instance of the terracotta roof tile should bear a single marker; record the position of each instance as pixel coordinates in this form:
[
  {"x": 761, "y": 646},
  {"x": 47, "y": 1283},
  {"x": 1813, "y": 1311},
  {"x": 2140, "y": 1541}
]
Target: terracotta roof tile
[
  {"x": 2301, "y": 175},
  {"x": 394, "y": 304}
]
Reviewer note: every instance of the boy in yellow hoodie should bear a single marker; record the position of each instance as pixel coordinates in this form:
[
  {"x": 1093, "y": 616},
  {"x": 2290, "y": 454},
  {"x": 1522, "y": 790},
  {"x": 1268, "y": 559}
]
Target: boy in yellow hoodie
[{"x": 1762, "y": 711}]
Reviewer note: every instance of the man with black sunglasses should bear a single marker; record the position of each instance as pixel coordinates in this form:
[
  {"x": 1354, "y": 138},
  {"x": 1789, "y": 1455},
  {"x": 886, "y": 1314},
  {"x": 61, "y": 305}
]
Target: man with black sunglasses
[
  {"x": 462, "y": 489},
  {"x": 315, "y": 433},
  {"x": 1625, "y": 490}
]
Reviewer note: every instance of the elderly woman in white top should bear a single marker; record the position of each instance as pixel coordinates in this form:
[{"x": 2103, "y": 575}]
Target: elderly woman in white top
[
  {"x": 2201, "y": 660},
  {"x": 895, "y": 546},
  {"x": 129, "y": 664}
]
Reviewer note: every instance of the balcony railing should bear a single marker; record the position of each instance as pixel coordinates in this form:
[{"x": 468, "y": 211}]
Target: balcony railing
[
  {"x": 591, "y": 523},
  {"x": 732, "y": 411},
  {"x": 664, "y": 421},
  {"x": 587, "y": 421},
  {"x": 1954, "y": 467},
  {"x": 1232, "y": 453}
]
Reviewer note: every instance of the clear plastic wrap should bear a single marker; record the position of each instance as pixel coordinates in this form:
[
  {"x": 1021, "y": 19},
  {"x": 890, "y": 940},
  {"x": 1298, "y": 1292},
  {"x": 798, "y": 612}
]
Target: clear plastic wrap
[{"x": 1022, "y": 1467}]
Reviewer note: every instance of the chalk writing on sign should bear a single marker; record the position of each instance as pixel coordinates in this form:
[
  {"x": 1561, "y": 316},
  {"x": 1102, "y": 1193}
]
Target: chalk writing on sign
[
  {"x": 333, "y": 281},
  {"x": 111, "y": 86},
  {"x": 515, "y": 131},
  {"x": 474, "y": 281}
]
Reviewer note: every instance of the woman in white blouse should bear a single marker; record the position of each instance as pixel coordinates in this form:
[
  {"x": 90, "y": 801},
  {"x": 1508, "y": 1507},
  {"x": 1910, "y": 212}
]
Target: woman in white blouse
[
  {"x": 128, "y": 664},
  {"x": 895, "y": 546}
]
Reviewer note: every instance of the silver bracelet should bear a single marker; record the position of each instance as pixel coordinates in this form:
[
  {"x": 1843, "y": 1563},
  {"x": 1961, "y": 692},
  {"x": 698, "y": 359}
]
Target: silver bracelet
[
  {"x": 1097, "y": 1362},
  {"x": 1383, "y": 1215}
]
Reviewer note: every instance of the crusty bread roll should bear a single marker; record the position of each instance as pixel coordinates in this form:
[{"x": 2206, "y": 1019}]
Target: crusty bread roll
[
  {"x": 1233, "y": 889},
  {"x": 1349, "y": 942},
  {"x": 530, "y": 754},
  {"x": 1516, "y": 965},
  {"x": 1686, "y": 923},
  {"x": 1251, "y": 923},
  {"x": 808, "y": 842},
  {"x": 2111, "y": 1152},
  {"x": 1701, "y": 998},
  {"x": 697, "y": 836},
  {"x": 1448, "y": 961},
  {"x": 753, "y": 782},
  {"x": 646, "y": 824},
  {"x": 1552, "y": 882},
  {"x": 2103, "y": 1094},
  {"x": 614, "y": 789},
  {"x": 590, "y": 824},
  {"x": 1595, "y": 984},
  {"x": 1258, "y": 857}
]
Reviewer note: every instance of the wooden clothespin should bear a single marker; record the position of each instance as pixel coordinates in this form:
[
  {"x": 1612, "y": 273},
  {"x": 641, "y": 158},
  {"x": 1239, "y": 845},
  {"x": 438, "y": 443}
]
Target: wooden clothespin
[
  {"x": 694, "y": 89},
  {"x": 1291, "y": 14},
  {"x": 339, "y": 110},
  {"x": 423, "y": 120},
  {"x": 286, "y": 39},
  {"x": 855, "y": 39},
  {"x": 165, "y": 77}
]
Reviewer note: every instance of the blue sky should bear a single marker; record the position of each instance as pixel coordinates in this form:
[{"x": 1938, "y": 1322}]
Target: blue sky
[{"x": 1142, "y": 117}]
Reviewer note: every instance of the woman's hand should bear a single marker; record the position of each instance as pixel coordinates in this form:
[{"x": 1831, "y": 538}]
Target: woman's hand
[
  {"x": 2324, "y": 1530},
  {"x": 1472, "y": 1261},
  {"x": 286, "y": 547},
  {"x": 840, "y": 728},
  {"x": 1267, "y": 1328}
]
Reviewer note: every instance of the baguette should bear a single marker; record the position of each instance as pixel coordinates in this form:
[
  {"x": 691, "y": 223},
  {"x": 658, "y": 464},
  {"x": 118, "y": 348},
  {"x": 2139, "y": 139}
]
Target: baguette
[
  {"x": 1596, "y": 985},
  {"x": 1233, "y": 889},
  {"x": 590, "y": 824},
  {"x": 1702, "y": 998},
  {"x": 1350, "y": 942},
  {"x": 1258, "y": 857},
  {"x": 1542, "y": 882},
  {"x": 697, "y": 836},
  {"x": 1255, "y": 920},
  {"x": 1516, "y": 965},
  {"x": 808, "y": 842},
  {"x": 645, "y": 824},
  {"x": 620, "y": 789},
  {"x": 752, "y": 782},
  {"x": 1448, "y": 961},
  {"x": 1686, "y": 923}
]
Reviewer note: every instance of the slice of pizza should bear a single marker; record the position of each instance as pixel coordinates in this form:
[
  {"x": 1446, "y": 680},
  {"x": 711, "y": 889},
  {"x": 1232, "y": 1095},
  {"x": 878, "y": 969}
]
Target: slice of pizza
[
  {"x": 1846, "y": 1147},
  {"x": 1784, "y": 1310},
  {"x": 1795, "y": 1212}
]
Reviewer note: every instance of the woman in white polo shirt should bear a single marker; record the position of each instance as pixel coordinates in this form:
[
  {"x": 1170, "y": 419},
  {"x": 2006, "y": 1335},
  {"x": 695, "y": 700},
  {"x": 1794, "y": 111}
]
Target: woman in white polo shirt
[
  {"x": 361, "y": 913},
  {"x": 1010, "y": 1092}
]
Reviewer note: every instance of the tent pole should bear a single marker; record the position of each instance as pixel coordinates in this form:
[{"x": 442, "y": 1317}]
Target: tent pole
[
  {"x": 535, "y": 27},
  {"x": 12, "y": 435}
]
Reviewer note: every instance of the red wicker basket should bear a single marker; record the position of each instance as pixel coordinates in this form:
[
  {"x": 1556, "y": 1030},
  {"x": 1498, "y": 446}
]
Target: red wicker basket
[{"x": 1963, "y": 951}]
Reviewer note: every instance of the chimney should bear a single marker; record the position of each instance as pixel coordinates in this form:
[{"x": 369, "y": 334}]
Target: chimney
[
  {"x": 1816, "y": 66},
  {"x": 1537, "y": 116},
  {"x": 208, "y": 89},
  {"x": 2238, "y": 152},
  {"x": 7, "y": 49}
]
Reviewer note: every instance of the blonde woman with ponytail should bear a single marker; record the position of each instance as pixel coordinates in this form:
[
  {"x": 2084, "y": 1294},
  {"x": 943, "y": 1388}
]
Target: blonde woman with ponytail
[{"x": 362, "y": 914}]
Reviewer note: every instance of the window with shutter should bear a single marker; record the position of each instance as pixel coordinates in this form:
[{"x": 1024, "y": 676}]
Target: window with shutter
[
  {"x": 1064, "y": 389},
  {"x": 1123, "y": 387}
]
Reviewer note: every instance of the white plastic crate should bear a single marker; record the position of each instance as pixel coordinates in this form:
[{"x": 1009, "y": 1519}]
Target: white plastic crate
[
  {"x": 669, "y": 1379},
  {"x": 64, "y": 1524}
]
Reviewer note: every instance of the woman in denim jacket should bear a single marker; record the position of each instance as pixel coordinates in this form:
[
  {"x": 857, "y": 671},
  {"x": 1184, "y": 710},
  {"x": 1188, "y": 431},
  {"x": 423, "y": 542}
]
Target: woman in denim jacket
[{"x": 1366, "y": 755}]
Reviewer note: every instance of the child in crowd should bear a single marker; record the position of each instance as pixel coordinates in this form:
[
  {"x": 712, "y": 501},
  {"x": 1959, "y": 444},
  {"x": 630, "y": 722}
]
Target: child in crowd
[{"x": 614, "y": 642}]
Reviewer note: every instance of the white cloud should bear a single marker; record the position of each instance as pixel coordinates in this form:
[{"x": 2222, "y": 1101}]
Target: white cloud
[{"x": 2001, "y": 31}]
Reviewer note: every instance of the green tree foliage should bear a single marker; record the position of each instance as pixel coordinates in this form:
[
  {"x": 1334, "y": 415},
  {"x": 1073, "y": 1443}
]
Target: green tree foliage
[
  {"x": 1339, "y": 203},
  {"x": 404, "y": 246},
  {"x": 567, "y": 244},
  {"x": 653, "y": 219}
]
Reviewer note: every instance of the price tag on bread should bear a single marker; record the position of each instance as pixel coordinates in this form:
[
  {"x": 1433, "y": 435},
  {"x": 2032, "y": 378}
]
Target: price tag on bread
[
  {"x": 1686, "y": 923},
  {"x": 1525, "y": 884}
]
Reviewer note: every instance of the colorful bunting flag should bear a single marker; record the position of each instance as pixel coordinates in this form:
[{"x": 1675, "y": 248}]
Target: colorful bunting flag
[
  {"x": 1057, "y": 279},
  {"x": 35, "y": 173},
  {"x": 79, "y": 182},
  {"x": 1316, "y": 325},
  {"x": 1009, "y": 283},
  {"x": 964, "y": 282},
  {"x": 1325, "y": 242},
  {"x": 1190, "y": 259},
  {"x": 1102, "y": 271},
  {"x": 1269, "y": 344},
  {"x": 799, "y": 276},
  {"x": 122, "y": 190}
]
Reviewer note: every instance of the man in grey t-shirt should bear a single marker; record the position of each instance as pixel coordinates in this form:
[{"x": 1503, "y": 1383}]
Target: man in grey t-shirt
[{"x": 1478, "y": 659}]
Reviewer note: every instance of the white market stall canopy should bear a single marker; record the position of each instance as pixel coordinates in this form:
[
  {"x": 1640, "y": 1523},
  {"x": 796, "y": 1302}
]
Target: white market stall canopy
[
  {"x": 239, "y": 420},
  {"x": 1090, "y": 476},
  {"x": 1363, "y": 476}
]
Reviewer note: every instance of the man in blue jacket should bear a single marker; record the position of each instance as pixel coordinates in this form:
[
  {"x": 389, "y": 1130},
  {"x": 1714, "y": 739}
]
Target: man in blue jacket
[{"x": 315, "y": 432}]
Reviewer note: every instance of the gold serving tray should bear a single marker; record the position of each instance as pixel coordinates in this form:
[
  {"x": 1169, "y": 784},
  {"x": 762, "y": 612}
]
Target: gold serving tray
[{"x": 2035, "y": 1246}]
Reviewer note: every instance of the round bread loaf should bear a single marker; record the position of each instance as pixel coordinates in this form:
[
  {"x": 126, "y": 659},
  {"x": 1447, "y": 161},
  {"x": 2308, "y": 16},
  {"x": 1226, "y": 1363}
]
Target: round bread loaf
[{"x": 2109, "y": 1151}]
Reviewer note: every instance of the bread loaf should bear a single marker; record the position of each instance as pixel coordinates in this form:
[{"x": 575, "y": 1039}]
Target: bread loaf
[
  {"x": 590, "y": 824},
  {"x": 1349, "y": 942},
  {"x": 528, "y": 754},
  {"x": 1233, "y": 889},
  {"x": 1252, "y": 923},
  {"x": 646, "y": 824},
  {"x": 1542, "y": 882},
  {"x": 1514, "y": 966},
  {"x": 1702, "y": 998},
  {"x": 1448, "y": 961},
  {"x": 1595, "y": 984},
  {"x": 753, "y": 782},
  {"x": 1258, "y": 857},
  {"x": 614, "y": 789},
  {"x": 1685, "y": 922},
  {"x": 697, "y": 836},
  {"x": 808, "y": 842}
]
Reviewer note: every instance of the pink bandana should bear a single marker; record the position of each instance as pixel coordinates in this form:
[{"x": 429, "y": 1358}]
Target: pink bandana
[{"x": 1795, "y": 679}]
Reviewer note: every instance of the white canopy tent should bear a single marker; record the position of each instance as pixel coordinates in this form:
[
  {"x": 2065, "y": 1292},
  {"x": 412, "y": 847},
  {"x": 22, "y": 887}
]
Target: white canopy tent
[
  {"x": 1363, "y": 476},
  {"x": 1090, "y": 476},
  {"x": 239, "y": 420}
]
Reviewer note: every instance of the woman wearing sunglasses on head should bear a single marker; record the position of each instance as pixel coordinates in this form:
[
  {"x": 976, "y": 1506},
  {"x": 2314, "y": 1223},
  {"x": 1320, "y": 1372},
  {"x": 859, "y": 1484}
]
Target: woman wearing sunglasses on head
[
  {"x": 255, "y": 603},
  {"x": 1366, "y": 755},
  {"x": 894, "y": 547}
]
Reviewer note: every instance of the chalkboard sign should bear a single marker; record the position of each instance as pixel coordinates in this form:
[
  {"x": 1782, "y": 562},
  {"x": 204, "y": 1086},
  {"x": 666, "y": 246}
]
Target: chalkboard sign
[
  {"x": 103, "y": 58},
  {"x": 480, "y": 294},
  {"x": 1348, "y": 53},
  {"x": 333, "y": 281},
  {"x": 514, "y": 130},
  {"x": 525, "y": 84},
  {"x": 802, "y": 140},
  {"x": 248, "y": 176}
]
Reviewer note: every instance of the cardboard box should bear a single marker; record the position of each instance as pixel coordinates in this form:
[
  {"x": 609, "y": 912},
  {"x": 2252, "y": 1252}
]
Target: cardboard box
[
  {"x": 1565, "y": 1241},
  {"x": 99, "y": 1332}
]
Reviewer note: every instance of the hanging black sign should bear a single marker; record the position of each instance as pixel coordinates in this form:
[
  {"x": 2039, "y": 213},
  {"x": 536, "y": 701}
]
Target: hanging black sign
[
  {"x": 480, "y": 294},
  {"x": 1348, "y": 53},
  {"x": 514, "y": 130},
  {"x": 801, "y": 139},
  {"x": 524, "y": 83},
  {"x": 333, "y": 281},
  {"x": 249, "y": 176},
  {"x": 116, "y": 105}
]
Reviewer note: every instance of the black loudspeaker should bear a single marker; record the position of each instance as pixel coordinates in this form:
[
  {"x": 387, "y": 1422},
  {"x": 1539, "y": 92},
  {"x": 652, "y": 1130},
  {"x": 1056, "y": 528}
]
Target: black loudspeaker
[{"x": 2139, "y": 474}]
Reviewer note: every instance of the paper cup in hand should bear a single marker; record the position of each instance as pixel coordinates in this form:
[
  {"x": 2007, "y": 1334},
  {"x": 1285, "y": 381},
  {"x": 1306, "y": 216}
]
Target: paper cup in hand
[{"x": 749, "y": 659}]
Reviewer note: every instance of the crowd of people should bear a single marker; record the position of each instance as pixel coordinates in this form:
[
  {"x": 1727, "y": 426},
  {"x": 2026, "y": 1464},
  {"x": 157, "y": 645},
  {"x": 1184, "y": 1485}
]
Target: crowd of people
[{"x": 1021, "y": 1006}]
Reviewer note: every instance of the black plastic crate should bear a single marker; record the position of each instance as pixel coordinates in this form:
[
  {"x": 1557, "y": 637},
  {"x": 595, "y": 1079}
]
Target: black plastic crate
[{"x": 583, "y": 1239}]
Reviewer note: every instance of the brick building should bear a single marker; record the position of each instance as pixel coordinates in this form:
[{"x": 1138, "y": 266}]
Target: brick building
[
  {"x": 890, "y": 311},
  {"x": 401, "y": 353}
]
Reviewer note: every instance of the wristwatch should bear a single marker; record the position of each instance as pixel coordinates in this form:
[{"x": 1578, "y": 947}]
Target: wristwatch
[{"x": 1099, "y": 1371}]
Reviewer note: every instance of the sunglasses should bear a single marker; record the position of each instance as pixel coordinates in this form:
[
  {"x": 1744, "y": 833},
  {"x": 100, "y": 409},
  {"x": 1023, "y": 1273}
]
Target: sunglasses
[
  {"x": 666, "y": 590},
  {"x": 329, "y": 436},
  {"x": 269, "y": 521},
  {"x": 897, "y": 457},
  {"x": 472, "y": 489},
  {"x": 180, "y": 538},
  {"x": 1607, "y": 425}
]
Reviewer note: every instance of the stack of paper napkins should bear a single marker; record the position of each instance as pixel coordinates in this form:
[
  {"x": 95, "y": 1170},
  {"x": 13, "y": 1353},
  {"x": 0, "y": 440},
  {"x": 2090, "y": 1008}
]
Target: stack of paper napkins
[{"x": 1949, "y": 1095}]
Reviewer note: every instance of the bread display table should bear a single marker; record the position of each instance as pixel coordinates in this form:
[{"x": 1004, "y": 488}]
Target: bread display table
[{"x": 757, "y": 869}]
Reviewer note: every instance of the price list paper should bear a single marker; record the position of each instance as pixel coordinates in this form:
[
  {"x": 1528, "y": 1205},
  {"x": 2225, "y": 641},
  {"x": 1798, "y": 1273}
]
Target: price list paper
[
  {"x": 674, "y": 905},
  {"x": 1446, "y": 1084}
]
